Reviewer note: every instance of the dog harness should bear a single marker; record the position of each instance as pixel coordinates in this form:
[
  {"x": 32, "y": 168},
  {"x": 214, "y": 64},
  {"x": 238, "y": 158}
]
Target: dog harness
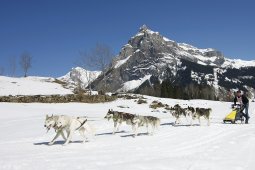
[{"x": 82, "y": 123}]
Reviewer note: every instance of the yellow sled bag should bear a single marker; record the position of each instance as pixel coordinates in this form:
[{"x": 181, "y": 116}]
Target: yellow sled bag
[{"x": 231, "y": 116}]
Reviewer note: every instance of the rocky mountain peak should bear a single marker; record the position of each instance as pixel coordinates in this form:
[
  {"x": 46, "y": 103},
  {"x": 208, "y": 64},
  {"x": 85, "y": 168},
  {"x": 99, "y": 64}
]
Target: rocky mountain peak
[
  {"x": 150, "y": 60},
  {"x": 143, "y": 28}
]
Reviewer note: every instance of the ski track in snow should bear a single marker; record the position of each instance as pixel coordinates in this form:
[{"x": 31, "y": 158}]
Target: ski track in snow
[{"x": 23, "y": 142}]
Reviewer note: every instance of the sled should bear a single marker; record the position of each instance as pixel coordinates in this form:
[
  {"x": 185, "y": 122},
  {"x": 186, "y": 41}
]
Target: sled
[{"x": 235, "y": 115}]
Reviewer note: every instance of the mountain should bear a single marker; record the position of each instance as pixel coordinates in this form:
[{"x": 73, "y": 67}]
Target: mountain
[
  {"x": 155, "y": 65},
  {"x": 79, "y": 75}
]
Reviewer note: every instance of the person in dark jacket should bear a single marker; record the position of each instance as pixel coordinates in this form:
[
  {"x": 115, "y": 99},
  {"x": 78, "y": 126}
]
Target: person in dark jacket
[{"x": 244, "y": 101}]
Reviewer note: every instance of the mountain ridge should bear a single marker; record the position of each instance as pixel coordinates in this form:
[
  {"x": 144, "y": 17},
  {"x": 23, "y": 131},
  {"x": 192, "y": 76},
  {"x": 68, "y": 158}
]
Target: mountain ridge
[{"x": 152, "y": 58}]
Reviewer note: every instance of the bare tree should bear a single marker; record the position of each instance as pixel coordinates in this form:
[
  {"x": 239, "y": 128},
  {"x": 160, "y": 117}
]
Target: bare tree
[
  {"x": 101, "y": 56},
  {"x": 88, "y": 76},
  {"x": 85, "y": 63},
  {"x": 97, "y": 58},
  {"x": 77, "y": 78},
  {"x": 13, "y": 66},
  {"x": 25, "y": 62}
]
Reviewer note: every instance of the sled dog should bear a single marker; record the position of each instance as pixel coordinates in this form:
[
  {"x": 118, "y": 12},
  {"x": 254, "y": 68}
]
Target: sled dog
[
  {"x": 202, "y": 112},
  {"x": 118, "y": 118},
  {"x": 51, "y": 122},
  {"x": 72, "y": 124},
  {"x": 195, "y": 113},
  {"x": 177, "y": 111},
  {"x": 139, "y": 121},
  {"x": 135, "y": 121},
  {"x": 68, "y": 124}
]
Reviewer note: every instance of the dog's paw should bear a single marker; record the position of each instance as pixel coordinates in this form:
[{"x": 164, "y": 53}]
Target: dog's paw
[
  {"x": 50, "y": 143},
  {"x": 65, "y": 144},
  {"x": 85, "y": 141}
]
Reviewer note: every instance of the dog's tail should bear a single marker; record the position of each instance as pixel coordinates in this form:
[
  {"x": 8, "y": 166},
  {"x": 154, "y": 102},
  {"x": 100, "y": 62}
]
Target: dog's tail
[
  {"x": 90, "y": 129},
  {"x": 157, "y": 123}
]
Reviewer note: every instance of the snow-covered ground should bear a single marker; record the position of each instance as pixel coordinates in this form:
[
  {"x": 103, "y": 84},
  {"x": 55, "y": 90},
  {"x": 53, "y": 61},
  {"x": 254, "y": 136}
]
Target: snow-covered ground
[
  {"x": 23, "y": 142},
  {"x": 30, "y": 86}
]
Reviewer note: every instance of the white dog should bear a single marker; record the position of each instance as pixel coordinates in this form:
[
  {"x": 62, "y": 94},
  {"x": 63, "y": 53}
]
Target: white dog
[
  {"x": 51, "y": 122},
  {"x": 72, "y": 124}
]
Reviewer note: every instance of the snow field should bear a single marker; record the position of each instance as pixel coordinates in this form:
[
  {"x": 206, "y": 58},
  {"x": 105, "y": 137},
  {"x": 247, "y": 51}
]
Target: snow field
[{"x": 23, "y": 142}]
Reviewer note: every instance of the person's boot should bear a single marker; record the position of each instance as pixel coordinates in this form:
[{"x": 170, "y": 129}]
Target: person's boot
[{"x": 247, "y": 120}]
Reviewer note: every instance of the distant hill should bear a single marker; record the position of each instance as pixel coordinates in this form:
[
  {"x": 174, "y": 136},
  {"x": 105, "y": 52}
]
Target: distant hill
[{"x": 31, "y": 86}]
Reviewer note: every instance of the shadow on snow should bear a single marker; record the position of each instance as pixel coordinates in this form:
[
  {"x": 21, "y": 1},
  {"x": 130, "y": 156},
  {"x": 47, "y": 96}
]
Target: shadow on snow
[
  {"x": 109, "y": 133},
  {"x": 56, "y": 143}
]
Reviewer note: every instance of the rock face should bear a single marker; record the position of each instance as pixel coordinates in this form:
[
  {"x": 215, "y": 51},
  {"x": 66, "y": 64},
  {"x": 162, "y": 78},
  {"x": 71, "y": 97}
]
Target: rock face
[{"x": 154, "y": 65}]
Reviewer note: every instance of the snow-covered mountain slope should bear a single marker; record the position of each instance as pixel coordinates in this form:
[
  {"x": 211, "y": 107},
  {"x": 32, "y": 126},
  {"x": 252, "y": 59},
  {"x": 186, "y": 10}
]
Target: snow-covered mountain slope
[
  {"x": 30, "y": 86},
  {"x": 150, "y": 55},
  {"x": 23, "y": 142},
  {"x": 210, "y": 56},
  {"x": 237, "y": 63},
  {"x": 79, "y": 75}
]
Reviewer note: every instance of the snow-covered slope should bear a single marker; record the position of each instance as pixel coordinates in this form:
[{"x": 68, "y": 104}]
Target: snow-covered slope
[
  {"x": 46, "y": 85},
  {"x": 237, "y": 63},
  {"x": 23, "y": 142},
  {"x": 81, "y": 75},
  {"x": 30, "y": 86},
  {"x": 208, "y": 56}
]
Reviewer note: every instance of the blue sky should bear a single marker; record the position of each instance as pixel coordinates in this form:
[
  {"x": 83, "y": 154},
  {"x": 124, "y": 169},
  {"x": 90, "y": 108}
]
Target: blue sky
[{"x": 54, "y": 31}]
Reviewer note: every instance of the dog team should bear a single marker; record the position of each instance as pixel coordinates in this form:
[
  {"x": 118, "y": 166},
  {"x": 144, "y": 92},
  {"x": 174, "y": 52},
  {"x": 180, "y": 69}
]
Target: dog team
[{"x": 68, "y": 124}]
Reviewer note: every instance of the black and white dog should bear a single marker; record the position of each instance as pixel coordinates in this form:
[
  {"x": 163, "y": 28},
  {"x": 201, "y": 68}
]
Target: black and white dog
[
  {"x": 195, "y": 113},
  {"x": 135, "y": 121}
]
